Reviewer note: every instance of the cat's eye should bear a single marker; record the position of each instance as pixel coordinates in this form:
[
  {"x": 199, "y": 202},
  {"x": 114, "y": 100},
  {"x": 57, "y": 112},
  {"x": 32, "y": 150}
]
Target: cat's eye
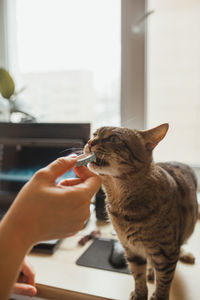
[{"x": 114, "y": 139}]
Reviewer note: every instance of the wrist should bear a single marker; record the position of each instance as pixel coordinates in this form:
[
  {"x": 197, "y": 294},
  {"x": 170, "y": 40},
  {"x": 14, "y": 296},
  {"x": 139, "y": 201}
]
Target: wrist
[
  {"x": 19, "y": 230},
  {"x": 12, "y": 251}
]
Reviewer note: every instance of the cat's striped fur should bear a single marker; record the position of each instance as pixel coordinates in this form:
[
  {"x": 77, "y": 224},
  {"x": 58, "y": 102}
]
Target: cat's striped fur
[{"x": 153, "y": 207}]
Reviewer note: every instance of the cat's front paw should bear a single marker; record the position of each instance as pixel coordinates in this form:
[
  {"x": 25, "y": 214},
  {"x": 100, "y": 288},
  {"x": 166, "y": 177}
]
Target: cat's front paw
[
  {"x": 155, "y": 297},
  {"x": 134, "y": 296}
]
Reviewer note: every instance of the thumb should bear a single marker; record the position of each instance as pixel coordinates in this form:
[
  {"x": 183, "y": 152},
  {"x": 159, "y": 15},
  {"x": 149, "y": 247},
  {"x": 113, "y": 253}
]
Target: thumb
[
  {"x": 90, "y": 181},
  {"x": 83, "y": 172},
  {"x": 91, "y": 185},
  {"x": 24, "y": 289},
  {"x": 60, "y": 166}
]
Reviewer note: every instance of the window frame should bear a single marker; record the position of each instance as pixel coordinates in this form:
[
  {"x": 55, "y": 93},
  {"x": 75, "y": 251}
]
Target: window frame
[
  {"x": 133, "y": 64},
  {"x": 133, "y": 59}
]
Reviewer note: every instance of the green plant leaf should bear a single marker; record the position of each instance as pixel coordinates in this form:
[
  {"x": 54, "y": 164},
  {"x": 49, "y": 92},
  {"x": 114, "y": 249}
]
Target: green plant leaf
[{"x": 7, "y": 85}]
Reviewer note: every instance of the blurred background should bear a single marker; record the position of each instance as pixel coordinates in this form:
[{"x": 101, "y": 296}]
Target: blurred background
[{"x": 109, "y": 62}]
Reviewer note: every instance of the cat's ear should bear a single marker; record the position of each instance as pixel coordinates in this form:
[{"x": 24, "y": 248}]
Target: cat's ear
[{"x": 153, "y": 136}]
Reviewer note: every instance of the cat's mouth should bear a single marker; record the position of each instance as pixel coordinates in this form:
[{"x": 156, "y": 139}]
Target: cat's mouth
[{"x": 100, "y": 162}]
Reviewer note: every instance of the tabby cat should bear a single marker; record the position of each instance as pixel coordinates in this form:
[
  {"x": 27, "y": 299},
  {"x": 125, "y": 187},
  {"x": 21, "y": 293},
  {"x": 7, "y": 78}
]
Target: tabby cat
[{"x": 152, "y": 206}]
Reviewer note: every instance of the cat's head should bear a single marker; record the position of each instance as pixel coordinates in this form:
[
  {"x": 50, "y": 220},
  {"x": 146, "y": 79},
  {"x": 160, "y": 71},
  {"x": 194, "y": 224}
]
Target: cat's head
[{"x": 120, "y": 149}]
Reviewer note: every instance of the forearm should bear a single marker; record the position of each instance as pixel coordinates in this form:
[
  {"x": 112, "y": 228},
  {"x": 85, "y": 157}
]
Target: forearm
[
  {"x": 43, "y": 210},
  {"x": 12, "y": 252}
]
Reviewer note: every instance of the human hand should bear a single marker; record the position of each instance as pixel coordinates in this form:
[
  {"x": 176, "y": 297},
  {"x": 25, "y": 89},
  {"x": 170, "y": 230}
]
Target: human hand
[
  {"x": 45, "y": 210},
  {"x": 25, "y": 284}
]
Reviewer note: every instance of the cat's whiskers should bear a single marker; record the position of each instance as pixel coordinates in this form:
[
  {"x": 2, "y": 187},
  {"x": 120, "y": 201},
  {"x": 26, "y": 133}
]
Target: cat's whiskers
[
  {"x": 102, "y": 159},
  {"x": 74, "y": 150}
]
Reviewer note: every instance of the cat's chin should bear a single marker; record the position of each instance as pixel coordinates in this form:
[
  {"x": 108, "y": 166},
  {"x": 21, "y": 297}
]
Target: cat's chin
[
  {"x": 102, "y": 170},
  {"x": 95, "y": 168}
]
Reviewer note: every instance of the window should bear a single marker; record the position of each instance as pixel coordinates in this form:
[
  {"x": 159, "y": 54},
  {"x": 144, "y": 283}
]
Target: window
[
  {"x": 68, "y": 57},
  {"x": 80, "y": 79}
]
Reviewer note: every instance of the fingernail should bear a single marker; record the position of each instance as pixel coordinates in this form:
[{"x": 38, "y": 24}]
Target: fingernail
[
  {"x": 72, "y": 155},
  {"x": 32, "y": 292}
]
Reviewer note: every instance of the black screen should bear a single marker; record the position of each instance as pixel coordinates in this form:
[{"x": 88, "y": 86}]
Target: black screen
[{"x": 25, "y": 148}]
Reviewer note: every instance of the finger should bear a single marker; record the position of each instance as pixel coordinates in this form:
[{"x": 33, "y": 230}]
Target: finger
[
  {"x": 60, "y": 166},
  {"x": 24, "y": 289},
  {"x": 70, "y": 182},
  {"x": 83, "y": 172},
  {"x": 28, "y": 271},
  {"x": 90, "y": 185},
  {"x": 70, "y": 234}
]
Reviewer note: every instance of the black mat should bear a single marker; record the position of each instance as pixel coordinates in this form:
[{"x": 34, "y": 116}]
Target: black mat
[{"x": 97, "y": 256}]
